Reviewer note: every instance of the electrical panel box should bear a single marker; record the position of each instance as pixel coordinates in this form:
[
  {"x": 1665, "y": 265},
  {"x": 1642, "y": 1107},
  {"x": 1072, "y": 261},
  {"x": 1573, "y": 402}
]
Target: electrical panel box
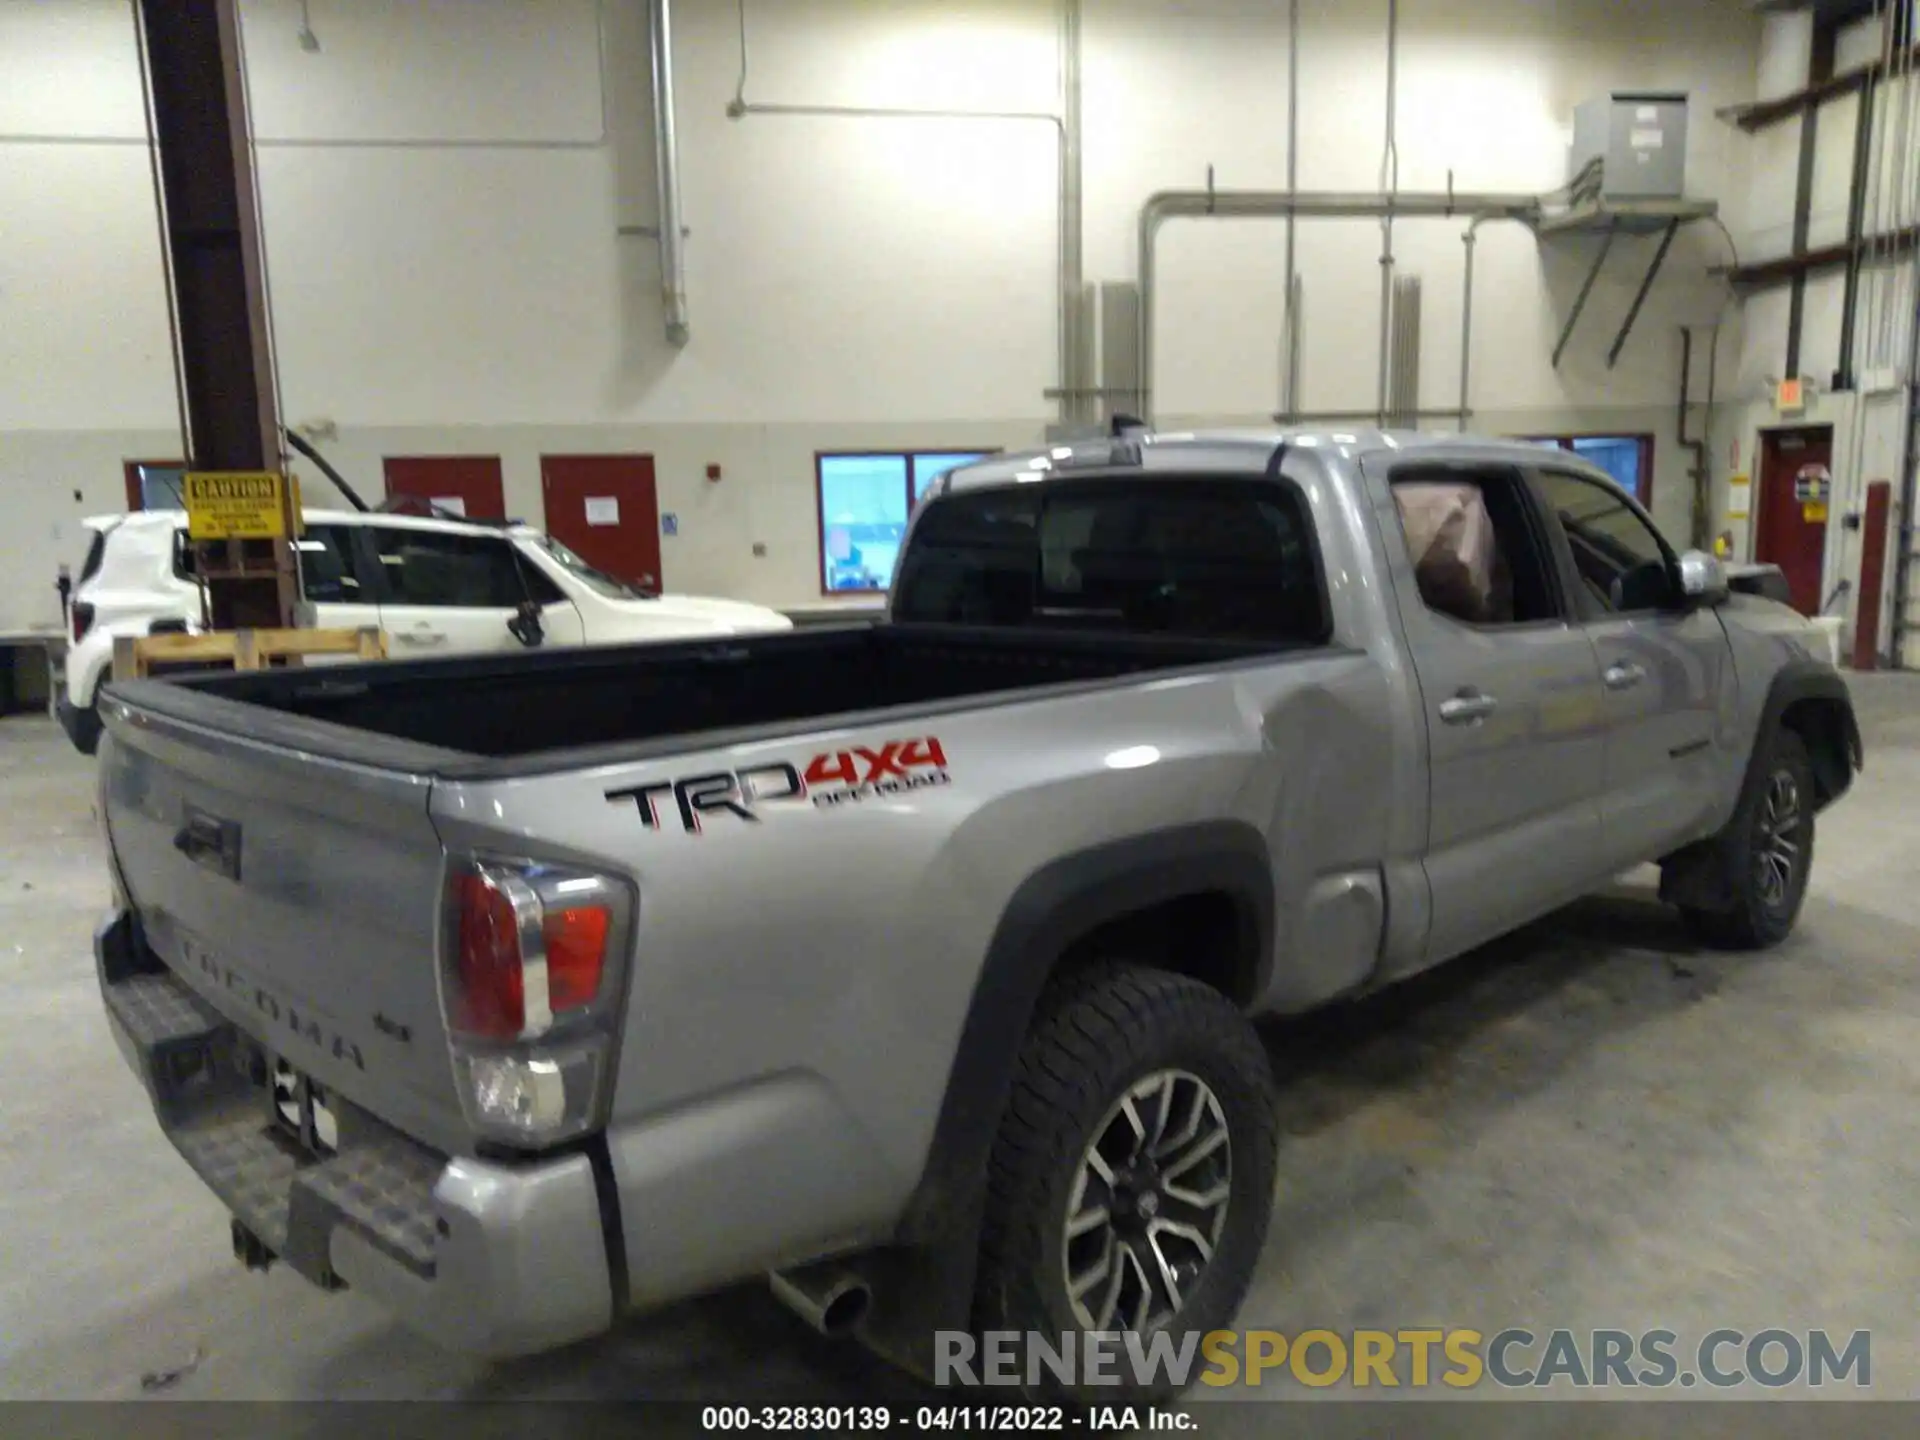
[{"x": 1640, "y": 140}]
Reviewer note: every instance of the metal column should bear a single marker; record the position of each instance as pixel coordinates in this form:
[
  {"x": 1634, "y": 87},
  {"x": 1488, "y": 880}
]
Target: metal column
[{"x": 210, "y": 238}]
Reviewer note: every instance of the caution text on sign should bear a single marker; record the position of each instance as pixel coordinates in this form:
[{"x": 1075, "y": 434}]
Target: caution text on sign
[{"x": 235, "y": 505}]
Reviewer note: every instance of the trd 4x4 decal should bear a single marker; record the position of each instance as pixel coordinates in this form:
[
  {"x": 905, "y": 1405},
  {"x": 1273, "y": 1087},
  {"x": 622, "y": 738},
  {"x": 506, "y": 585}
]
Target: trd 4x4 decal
[{"x": 828, "y": 781}]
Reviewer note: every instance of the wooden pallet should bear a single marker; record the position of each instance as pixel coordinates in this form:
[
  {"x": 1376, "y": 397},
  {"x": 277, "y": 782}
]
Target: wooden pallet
[{"x": 135, "y": 656}]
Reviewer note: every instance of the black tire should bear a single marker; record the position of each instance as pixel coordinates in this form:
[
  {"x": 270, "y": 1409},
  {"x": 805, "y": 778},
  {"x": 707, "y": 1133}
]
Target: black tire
[
  {"x": 1764, "y": 908},
  {"x": 1098, "y": 1036}
]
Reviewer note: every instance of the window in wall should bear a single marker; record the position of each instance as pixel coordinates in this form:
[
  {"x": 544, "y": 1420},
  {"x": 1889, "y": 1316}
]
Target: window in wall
[
  {"x": 865, "y": 500},
  {"x": 155, "y": 484},
  {"x": 1627, "y": 458}
]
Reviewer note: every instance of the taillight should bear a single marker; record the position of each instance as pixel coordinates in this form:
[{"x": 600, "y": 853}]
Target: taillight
[
  {"x": 530, "y": 949},
  {"x": 531, "y": 968},
  {"x": 81, "y": 615}
]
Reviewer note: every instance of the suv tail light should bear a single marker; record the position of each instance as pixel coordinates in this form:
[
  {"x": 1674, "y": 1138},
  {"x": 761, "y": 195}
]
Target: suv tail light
[
  {"x": 531, "y": 974},
  {"x": 81, "y": 615}
]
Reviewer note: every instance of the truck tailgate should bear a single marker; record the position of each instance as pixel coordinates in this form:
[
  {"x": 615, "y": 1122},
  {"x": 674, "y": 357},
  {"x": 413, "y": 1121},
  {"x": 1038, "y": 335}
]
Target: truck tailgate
[{"x": 297, "y": 895}]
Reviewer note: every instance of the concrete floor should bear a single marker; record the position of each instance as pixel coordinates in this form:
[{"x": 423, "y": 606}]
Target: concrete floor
[{"x": 1588, "y": 1125}]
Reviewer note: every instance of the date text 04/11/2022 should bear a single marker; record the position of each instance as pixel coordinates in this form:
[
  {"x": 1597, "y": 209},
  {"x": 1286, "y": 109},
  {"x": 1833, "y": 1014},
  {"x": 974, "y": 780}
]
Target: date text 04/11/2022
[{"x": 940, "y": 1419}]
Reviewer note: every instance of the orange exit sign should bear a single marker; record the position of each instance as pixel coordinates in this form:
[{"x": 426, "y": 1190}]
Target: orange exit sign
[{"x": 1790, "y": 397}]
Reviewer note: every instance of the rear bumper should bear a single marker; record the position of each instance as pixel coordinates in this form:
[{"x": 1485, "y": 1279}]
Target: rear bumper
[{"x": 488, "y": 1259}]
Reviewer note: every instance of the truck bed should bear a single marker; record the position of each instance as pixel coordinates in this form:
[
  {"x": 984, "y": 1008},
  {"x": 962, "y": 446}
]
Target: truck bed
[{"x": 548, "y": 703}]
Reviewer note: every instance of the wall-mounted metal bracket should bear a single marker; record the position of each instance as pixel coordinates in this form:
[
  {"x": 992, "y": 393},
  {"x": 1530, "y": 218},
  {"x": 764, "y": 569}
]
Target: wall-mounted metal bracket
[
  {"x": 1640, "y": 296},
  {"x": 1586, "y": 289}
]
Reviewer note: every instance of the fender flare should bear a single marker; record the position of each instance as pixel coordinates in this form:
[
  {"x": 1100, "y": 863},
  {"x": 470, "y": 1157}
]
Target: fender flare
[
  {"x": 924, "y": 1280},
  {"x": 1698, "y": 875},
  {"x": 1799, "y": 680}
]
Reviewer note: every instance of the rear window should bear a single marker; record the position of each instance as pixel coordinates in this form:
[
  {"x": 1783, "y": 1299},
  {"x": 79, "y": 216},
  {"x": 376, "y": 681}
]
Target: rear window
[
  {"x": 1221, "y": 559},
  {"x": 96, "y": 552}
]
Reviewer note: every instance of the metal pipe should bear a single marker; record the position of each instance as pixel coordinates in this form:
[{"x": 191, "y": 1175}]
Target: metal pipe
[
  {"x": 1428, "y": 413},
  {"x": 1290, "y": 360},
  {"x": 1076, "y": 369},
  {"x": 1389, "y": 183},
  {"x": 666, "y": 158},
  {"x": 828, "y": 1297},
  {"x": 1278, "y": 204},
  {"x": 1697, "y": 446}
]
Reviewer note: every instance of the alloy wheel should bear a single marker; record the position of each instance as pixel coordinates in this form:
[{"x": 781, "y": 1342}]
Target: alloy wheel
[
  {"x": 1148, "y": 1205},
  {"x": 1779, "y": 845}
]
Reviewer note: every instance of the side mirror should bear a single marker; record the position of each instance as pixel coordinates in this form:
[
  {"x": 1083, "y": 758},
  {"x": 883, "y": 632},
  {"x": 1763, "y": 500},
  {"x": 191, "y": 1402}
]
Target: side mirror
[
  {"x": 525, "y": 625},
  {"x": 1702, "y": 580}
]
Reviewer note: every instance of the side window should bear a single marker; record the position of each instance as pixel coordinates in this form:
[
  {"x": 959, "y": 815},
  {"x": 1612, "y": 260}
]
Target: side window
[
  {"x": 1624, "y": 565},
  {"x": 427, "y": 567},
  {"x": 326, "y": 567},
  {"x": 186, "y": 564},
  {"x": 1476, "y": 550}
]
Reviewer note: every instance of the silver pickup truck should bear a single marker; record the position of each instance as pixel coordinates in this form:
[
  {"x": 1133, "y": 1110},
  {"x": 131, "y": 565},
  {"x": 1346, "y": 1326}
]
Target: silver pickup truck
[{"x": 910, "y": 963}]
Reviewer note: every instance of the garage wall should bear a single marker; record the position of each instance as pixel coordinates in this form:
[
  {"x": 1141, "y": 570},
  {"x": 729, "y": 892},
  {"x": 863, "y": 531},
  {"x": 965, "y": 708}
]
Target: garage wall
[
  {"x": 444, "y": 189},
  {"x": 1869, "y": 421}
]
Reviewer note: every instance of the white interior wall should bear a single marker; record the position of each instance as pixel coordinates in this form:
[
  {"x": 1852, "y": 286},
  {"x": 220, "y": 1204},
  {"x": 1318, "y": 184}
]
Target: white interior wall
[
  {"x": 442, "y": 188},
  {"x": 1869, "y": 426}
]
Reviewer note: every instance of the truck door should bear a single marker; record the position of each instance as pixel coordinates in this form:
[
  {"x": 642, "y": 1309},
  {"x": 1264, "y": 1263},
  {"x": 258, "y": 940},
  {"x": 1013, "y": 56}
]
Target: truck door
[
  {"x": 1666, "y": 669},
  {"x": 1511, "y": 694}
]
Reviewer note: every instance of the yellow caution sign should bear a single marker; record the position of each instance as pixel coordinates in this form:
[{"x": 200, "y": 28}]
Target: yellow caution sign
[{"x": 236, "y": 505}]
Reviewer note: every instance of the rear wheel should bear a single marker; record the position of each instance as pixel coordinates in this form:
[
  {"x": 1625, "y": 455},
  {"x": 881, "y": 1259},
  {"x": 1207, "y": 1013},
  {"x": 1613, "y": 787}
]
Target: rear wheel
[
  {"x": 1132, "y": 1179},
  {"x": 1769, "y": 852}
]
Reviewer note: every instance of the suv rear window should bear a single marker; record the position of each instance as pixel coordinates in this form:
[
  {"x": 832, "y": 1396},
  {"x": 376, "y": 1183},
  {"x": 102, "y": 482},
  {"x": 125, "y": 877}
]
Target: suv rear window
[
  {"x": 96, "y": 552},
  {"x": 1221, "y": 559}
]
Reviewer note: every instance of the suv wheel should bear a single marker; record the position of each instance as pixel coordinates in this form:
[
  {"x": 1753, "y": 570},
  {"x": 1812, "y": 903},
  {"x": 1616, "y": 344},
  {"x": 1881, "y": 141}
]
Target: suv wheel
[
  {"x": 1132, "y": 1178},
  {"x": 1769, "y": 852}
]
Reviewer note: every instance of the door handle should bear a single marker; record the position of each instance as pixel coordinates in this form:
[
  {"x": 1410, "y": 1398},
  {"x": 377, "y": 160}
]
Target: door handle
[
  {"x": 1469, "y": 707},
  {"x": 421, "y": 637},
  {"x": 1623, "y": 675}
]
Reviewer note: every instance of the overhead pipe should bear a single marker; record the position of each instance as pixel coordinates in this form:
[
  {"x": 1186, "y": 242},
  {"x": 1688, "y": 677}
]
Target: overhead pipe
[
  {"x": 1308, "y": 205},
  {"x": 1389, "y": 183},
  {"x": 1290, "y": 312},
  {"x": 1066, "y": 128},
  {"x": 666, "y": 164},
  {"x": 1076, "y": 357}
]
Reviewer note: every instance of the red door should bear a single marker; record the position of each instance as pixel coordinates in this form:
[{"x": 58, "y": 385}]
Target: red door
[
  {"x": 466, "y": 484},
  {"x": 1792, "y": 525},
  {"x": 602, "y": 507}
]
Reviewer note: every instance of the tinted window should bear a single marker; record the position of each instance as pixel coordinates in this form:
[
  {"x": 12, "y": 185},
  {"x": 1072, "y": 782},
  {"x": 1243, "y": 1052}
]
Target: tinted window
[
  {"x": 186, "y": 562},
  {"x": 422, "y": 567},
  {"x": 1223, "y": 559},
  {"x": 96, "y": 552},
  {"x": 326, "y": 567},
  {"x": 1623, "y": 563}
]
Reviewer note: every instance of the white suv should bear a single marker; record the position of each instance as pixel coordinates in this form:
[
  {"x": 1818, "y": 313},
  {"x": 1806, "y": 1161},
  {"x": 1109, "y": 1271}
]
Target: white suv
[{"x": 436, "y": 586}]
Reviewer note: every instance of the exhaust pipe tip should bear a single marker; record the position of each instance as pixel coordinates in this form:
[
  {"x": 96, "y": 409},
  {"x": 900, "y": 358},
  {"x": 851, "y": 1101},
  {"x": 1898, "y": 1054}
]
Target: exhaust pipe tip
[{"x": 832, "y": 1302}]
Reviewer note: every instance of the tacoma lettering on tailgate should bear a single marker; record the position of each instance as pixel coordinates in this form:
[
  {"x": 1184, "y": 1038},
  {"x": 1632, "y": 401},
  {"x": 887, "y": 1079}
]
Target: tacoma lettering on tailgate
[{"x": 827, "y": 781}]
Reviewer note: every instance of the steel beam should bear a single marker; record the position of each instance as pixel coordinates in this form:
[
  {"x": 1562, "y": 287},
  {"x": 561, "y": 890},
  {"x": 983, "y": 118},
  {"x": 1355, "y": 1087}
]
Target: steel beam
[
  {"x": 210, "y": 239},
  {"x": 1640, "y": 297},
  {"x": 1586, "y": 289}
]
